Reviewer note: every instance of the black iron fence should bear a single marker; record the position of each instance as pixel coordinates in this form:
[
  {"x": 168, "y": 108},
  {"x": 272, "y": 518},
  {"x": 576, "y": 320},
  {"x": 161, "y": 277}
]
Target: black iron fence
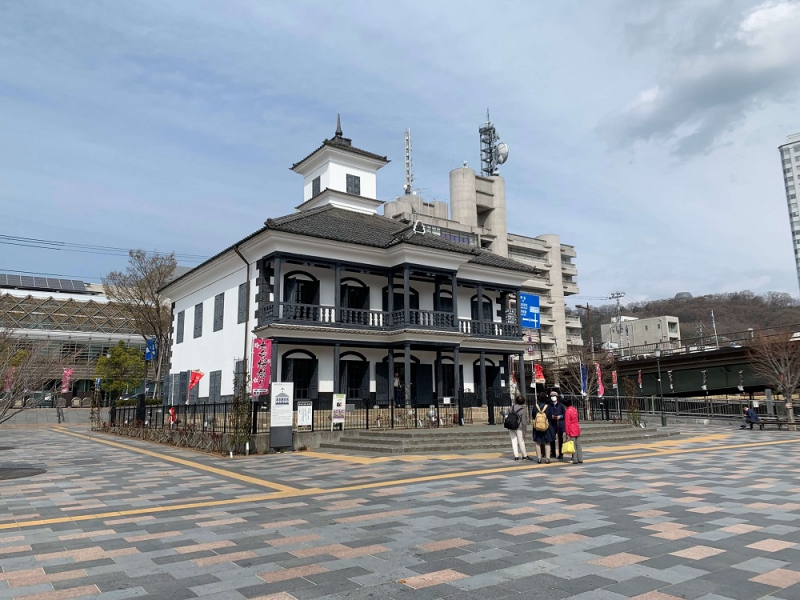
[{"x": 219, "y": 417}]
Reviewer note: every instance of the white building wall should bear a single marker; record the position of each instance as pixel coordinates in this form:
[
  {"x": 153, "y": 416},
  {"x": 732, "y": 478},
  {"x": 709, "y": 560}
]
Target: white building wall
[
  {"x": 214, "y": 350},
  {"x": 337, "y": 175}
]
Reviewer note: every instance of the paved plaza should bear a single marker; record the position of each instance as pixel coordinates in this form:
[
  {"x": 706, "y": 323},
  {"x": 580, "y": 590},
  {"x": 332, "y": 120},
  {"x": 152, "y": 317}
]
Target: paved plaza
[{"x": 713, "y": 514}]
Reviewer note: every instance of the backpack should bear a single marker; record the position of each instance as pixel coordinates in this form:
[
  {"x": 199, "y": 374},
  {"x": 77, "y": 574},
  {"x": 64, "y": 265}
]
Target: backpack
[
  {"x": 511, "y": 421},
  {"x": 540, "y": 422}
]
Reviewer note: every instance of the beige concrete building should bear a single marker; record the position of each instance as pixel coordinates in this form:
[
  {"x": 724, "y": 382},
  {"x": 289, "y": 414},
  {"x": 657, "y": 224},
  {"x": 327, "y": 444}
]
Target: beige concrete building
[
  {"x": 477, "y": 216},
  {"x": 630, "y": 331}
]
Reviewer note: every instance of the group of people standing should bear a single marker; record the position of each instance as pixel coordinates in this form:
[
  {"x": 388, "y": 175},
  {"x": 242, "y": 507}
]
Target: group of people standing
[{"x": 550, "y": 422}]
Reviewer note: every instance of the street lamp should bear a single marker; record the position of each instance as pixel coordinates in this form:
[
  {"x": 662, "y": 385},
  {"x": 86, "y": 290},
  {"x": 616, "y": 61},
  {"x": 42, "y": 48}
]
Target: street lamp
[{"x": 657, "y": 352}]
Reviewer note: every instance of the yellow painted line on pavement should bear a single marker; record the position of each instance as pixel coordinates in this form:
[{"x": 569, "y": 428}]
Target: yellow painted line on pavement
[
  {"x": 371, "y": 460},
  {"x": 187, "y": 463},
  {"x": 295, "y": 493}
]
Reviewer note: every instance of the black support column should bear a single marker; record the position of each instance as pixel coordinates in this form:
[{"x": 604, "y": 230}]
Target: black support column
[
  {"x": 407, "y": 375},
  {"x": 480, "y": 319},
  {"x": 521, "y": 386},
  {"x": 406, "y": 295},
  {"x": 439, "y": 388},
  {"x": 482, "y": 378},
  {"x": 457, "y": 385},
  {"x": 276, "y": 289},
  {"x": 337, "y": 293},
  {"x": 454, "y": 294}
]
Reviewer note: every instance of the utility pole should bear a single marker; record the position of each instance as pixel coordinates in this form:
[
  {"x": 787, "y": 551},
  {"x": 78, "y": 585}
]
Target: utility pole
[{"x": 616, "y": 296}]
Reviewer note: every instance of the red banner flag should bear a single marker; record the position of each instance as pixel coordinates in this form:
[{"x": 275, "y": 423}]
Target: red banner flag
[
  {"x": 538, "y": 373},
  {"x": 195, "y": 378},
  {"x": 10, "y": 379},
  {"x": 600, "y": 389},
  {"x": 66, "y": 381},
  {"x": 640, "y": 379},
  {"x": 261, "y": 373}
]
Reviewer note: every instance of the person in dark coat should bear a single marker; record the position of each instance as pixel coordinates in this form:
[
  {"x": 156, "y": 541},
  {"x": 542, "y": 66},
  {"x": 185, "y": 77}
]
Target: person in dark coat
[
  {"x": 542, "y": 439},
  {"x": 557, "y": 411},
  {"x": 750, "y": 417}
]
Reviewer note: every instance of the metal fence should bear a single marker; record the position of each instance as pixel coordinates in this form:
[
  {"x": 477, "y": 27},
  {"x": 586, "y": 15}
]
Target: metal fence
[{"x": 218, "y": 417}]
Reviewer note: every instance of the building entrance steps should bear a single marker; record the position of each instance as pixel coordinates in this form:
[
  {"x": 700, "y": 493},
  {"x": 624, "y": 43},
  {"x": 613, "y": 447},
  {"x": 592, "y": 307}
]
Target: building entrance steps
[{"x": 483, "y": 438}]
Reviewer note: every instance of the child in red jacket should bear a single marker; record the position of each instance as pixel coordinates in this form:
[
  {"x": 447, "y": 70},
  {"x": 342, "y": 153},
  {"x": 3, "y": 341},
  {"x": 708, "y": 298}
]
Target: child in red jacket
[{"x": 573, "y": 430}]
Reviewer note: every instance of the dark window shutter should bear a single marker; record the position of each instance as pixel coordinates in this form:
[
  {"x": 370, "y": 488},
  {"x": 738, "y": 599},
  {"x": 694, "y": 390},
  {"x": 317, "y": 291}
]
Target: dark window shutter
[
  {"x": 287, "y": 368},
  {"x": 219, "y": 310},
  {"x": 215, "y": 386},
  {"x": 364, "y": 391},
  {"x": 313, "y": 385},
  {"x": 183, "y": 387},
  {"x": 242, "y": 308},
  {"x": 198, "y": 320},
  {"x": 354, "y": 185},
  {"x": 315, "y": 186},
  {"x": 238, "y": 377},
  {"x": 381, "y": 383},
  {"x": 179, "y": 332},
  {"x": 315, "y": 286}
]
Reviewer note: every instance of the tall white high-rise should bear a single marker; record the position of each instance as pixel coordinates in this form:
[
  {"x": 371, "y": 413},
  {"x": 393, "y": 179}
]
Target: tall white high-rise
[{"x": 790, "y": 162}]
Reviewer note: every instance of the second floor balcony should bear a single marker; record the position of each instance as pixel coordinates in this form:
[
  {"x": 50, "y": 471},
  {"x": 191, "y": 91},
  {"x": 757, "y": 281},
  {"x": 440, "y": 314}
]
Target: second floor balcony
[{"x": 370, "y": 319}]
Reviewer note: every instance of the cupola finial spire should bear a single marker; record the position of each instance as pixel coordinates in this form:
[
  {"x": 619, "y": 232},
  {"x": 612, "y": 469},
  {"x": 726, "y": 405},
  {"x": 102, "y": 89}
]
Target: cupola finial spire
[{"x": 338, "y": 125}]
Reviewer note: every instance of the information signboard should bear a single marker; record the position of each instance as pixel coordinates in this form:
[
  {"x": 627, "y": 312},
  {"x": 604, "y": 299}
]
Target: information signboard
[
  {"x": 281, "y": 407},
  {"x": 305, "y": 414},
  {"x": 339, "y": 410},
  {"x": 529, "y": 309}
]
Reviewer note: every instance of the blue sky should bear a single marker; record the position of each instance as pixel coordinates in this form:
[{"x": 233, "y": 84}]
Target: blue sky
[{"x": 645, "y": 133}]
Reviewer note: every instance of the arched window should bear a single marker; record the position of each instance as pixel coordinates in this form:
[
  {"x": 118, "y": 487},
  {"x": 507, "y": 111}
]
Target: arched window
[
  {"x": 444, "y": 303},
  {"x": 301, "y": 368},
  {"x": 354, "y": 293},
  {"x": 354, "y": 376},
  {"x": 399, "y": 302},
  {"x": 300, "y": 287},
  {"x": 488, "y": 307}
]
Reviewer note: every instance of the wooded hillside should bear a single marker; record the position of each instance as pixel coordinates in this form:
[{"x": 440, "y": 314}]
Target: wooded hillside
[{"x": 733, "y": 312}]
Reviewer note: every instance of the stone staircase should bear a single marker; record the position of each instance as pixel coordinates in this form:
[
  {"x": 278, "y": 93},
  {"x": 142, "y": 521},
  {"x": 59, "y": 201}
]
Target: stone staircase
[{"x": 472, "y": 439}]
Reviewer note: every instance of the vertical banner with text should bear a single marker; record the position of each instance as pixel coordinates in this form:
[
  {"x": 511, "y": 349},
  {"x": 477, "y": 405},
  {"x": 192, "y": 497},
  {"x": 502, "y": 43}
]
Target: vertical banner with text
[
  {"x": 261, "y": 366},
  {"x": 66, "y": 381}
]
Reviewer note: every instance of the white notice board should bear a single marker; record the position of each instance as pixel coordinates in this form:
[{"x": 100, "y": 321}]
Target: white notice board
[{"x": 281, "y": 404}]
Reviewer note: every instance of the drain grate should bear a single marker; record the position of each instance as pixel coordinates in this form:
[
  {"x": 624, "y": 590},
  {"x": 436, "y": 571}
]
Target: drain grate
[{"x": 19, "y": 472}]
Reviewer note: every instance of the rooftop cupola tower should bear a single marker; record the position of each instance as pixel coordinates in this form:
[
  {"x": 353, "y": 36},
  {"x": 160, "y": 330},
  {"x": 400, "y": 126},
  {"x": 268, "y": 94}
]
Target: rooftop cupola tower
[{"x": 340, "y": 174}]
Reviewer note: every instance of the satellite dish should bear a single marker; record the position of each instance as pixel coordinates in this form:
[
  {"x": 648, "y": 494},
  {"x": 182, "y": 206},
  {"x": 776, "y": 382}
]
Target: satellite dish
[{"x": 501, "y": 151}]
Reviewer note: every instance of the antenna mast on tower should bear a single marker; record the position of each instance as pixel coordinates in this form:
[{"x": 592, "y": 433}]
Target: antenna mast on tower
[
  {"x": 408, "y": 162},
  {"x": 493, "y": 151}
]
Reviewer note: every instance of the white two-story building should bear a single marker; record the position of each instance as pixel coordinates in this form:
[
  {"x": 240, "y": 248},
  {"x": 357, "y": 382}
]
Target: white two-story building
[{"x": 348, "y": 298}]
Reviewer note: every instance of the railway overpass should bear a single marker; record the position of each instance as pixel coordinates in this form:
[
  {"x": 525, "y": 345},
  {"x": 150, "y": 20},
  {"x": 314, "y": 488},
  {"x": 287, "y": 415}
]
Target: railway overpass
[{"x": 724, "y": 361}]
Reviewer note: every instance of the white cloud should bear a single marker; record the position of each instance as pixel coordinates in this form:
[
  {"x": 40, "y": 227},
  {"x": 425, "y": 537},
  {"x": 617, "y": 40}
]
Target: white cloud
[{"x": 708, "y": 92}]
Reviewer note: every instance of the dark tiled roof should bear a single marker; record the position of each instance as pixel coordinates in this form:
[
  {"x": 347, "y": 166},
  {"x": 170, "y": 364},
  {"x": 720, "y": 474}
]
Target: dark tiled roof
[
  {"x": 342, "y": 143},
  {"x": 342, "y": 225},
  {"x": 339, "y": 224}
]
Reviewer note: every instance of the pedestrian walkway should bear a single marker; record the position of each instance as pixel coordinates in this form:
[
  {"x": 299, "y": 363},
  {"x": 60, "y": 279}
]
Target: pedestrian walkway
[{"x": 701, "y": 517}]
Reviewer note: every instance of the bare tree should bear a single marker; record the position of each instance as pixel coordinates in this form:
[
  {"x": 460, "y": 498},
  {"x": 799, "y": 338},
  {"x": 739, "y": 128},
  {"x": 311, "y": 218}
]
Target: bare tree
[
  {"x": 776, "y": 359},
  {"x": 137, "y": 290},
  {"x": 27, "y": 368}
]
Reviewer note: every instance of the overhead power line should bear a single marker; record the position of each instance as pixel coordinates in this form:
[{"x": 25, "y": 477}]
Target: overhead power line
[{"x": 27, "y": 242}]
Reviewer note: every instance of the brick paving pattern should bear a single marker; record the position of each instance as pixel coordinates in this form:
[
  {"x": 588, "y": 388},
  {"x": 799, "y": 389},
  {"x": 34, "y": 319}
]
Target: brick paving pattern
[{"x": 686, "y": 519}]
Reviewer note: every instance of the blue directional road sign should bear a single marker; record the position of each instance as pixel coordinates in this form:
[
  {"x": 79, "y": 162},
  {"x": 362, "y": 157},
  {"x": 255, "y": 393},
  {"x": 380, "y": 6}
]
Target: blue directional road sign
[{"x": 529, "y": 308}]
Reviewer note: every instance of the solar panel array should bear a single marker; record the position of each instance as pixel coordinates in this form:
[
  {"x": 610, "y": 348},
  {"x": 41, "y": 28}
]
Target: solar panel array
[{"x": 41, "y": 283}]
